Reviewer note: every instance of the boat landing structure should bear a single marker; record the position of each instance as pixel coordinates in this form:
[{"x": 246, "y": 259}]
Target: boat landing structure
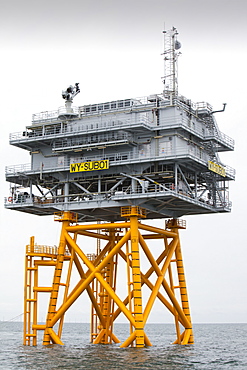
[{"x": 105, "y": 169}]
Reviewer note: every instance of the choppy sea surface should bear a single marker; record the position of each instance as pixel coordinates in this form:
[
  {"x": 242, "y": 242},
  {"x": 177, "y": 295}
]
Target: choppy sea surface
[{"x": 217, "y": 346}]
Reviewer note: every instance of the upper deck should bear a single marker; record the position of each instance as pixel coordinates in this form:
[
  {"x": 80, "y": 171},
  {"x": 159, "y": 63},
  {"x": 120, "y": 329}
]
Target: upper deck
[{"x": 132, "y": 115}]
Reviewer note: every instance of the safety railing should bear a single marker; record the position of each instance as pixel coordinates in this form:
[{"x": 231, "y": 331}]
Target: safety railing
[
  {"x": 123, "y": 192},
  {"x": 91, "y": 126},
  {"x": 230, "y": 172},
  {"x": 175, "y": 223},
  {"x": 203, "y": 107},
  {"x": 112, "y": 106},
  {"x": 100, "y": 125},
  {"x": 108, "y": 138},
  {"x": 44, "y": 116},
  {"x": 97, "y": 125},
  {"x": 134, "y": 156},
  {"x": 18, "y": 168},
  {"x": 219, "y": 136},
  {"x": 44, "y": 249},
  {"x": 192, "y": 152},
  {"x": 65, "y": 216},
  {"x": 129, "y": 211},
  {"x": 53, "y": 115}
]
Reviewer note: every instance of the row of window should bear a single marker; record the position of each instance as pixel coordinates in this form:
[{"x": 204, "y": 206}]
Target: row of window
[{"x": 107, "y": 106}]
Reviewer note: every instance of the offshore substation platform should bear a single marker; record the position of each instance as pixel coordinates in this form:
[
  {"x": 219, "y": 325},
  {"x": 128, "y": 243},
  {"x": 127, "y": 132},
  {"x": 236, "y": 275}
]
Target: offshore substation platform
[{"x": 103, "y": 170}]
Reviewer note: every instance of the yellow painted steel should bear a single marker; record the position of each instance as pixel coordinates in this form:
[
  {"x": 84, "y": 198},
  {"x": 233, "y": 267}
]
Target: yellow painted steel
[
  {"x": 98, "y": 276},
  {"x": 136, "y": 283},
  {"x": 49, "y": 336}
]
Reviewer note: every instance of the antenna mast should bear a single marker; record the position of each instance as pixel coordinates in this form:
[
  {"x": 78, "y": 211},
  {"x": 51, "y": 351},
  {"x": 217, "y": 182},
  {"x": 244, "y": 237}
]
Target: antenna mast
[{"x": 171, "y": 53}]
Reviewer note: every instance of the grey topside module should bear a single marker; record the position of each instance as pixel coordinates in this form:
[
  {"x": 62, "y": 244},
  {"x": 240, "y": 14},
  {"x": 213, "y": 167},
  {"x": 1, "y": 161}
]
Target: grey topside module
[{"x": 160, "y": 152}]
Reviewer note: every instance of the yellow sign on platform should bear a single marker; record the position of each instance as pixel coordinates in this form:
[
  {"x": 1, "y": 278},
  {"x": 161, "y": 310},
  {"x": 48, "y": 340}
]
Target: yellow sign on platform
[
  {"x": 90, "y": 166},
  {"x": 216, "y": 168}
]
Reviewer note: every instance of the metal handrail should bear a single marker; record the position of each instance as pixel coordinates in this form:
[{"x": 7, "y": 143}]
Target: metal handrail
[
  {"x": 53, "y": 115},
  {"x": 97, "y": 126},
  {"x": 44, "y": 249},
  {"x": 191, "y": 151},
  {"x": 92, "y": 126},
  {"x": 125, "y": 192}
]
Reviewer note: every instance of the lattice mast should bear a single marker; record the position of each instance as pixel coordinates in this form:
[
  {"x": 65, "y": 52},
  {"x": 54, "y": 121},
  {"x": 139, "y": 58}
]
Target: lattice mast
[{"x": 171, "y": 53}]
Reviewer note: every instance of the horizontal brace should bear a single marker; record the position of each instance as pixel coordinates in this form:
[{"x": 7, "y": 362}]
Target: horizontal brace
[
  {"x": 44, "y": 263},
  {"x": 166, "y": 233},
  {"x": 78, "y": 228},
  {"x": 38, "y": 327},
  {"x": 42, "y": 289}
]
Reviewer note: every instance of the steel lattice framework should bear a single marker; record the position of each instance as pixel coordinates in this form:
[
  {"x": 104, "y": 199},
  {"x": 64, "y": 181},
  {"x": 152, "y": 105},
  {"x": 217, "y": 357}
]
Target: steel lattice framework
[{"x": 123, "y": 240}]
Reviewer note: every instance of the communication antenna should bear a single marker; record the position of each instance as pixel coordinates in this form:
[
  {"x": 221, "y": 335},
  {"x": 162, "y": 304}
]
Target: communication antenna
[
  {"x": 71, "y": 92},
  {"x": 171, "y": 53},
  {"x": 69, "y": 95}
]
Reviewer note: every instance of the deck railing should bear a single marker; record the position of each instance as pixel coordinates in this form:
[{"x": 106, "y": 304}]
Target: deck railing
[
  {"x": 125, "y": 192},
  {"x": 63, "y": 163},
  {"x": 98, "y": 125},
  {"x": 44, "y": 249}
]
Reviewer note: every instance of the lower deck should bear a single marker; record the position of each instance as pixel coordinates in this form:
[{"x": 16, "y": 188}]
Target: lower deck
[{"x": 159, "y": 202}]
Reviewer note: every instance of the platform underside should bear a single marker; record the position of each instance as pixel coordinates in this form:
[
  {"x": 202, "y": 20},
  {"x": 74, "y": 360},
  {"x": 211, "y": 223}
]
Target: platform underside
[{"x": 157, "y": 206}]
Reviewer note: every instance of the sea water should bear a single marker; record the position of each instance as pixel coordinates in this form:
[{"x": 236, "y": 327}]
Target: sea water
[{"x": 217, "y": 346}]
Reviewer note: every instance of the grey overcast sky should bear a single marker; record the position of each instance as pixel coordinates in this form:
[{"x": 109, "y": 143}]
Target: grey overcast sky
[{"x": 113, "y": 48}]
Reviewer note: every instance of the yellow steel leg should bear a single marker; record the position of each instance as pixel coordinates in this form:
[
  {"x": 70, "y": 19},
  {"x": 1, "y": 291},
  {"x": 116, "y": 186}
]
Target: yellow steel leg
[
  {"x": 187, "y": 336},
  {"x": 48, "y": 335},
  {"x": 138, "y": 334},
  {"x": 109, "y": 275},
  {"x": 129, "y": 283},
  {"x": 175, "y": 312},
  {"x": 60, "y": 328}
]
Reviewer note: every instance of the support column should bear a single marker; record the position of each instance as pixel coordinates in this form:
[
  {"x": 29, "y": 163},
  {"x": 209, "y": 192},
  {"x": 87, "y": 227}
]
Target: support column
[
  {"x": 176, "y": 176},
  {"x": 187, "y": 336},
  {"x": 133, "y": 185},
  {"x": 66, "y": 194},
  {"x": 196, "y": 190},
  {"x": 99, "y": 184},
  {"x": 107, "y": 300},
  {"x": 31, "y": 191},
  {"x": 136, "y": 279},
  {"x": 49, "y": 335}
]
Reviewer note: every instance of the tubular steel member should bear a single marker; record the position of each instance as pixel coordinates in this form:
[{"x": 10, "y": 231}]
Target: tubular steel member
[
  {"x": 186, "y": 337},
  {"x": 127, "y": 239}
]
